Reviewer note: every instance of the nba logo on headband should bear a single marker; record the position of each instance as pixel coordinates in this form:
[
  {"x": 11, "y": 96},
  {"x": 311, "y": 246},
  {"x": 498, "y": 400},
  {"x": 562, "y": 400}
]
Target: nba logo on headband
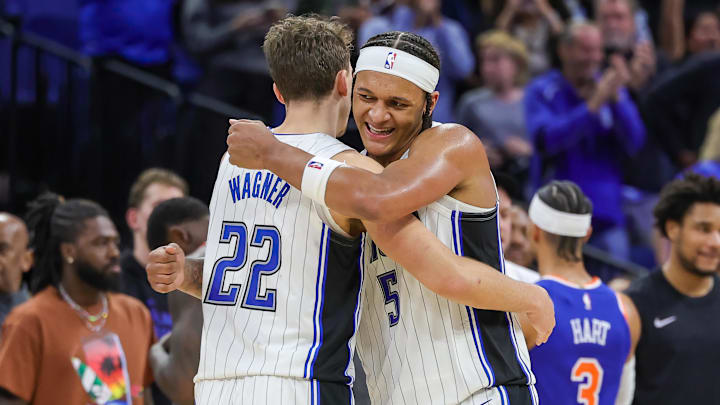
[{"x": 390, "y": 60}]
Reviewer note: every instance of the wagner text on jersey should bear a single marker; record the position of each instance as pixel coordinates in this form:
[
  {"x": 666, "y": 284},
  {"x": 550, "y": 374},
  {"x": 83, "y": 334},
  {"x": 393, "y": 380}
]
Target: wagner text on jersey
[{"x": 259, "y": 184}]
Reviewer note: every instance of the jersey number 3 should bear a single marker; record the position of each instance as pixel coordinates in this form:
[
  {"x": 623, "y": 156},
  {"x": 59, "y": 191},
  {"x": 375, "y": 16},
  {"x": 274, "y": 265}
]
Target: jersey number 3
[
  {"x": 588, "y": 372},
  {"x": 218, "y": 294}
]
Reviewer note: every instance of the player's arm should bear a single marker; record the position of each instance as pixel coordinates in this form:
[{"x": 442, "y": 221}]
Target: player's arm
[
  {"x": 460, "y": 279},
  {"x": 168, "y": 270},
  {"x": 175, "y": 366},
  {"x": 465, "y": 281},
  {"x": 443, "y": 159},
  {"x": 626, "y": 392}
]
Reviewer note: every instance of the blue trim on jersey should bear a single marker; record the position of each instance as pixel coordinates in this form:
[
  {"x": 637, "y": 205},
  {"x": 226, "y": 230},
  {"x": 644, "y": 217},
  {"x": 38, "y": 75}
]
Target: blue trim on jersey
[
  {"x": 322, "y": 299},
  {"x": 474, "y": 325},
  {"x": 503, "y": 396},
  {"x": 361, "y": 261},
  {"x": 312, "y": 354},
  {"x": 513, "y": 338}
]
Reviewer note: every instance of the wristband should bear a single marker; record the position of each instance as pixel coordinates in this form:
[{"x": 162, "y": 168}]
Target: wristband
[{"x": 315, "y": 177}]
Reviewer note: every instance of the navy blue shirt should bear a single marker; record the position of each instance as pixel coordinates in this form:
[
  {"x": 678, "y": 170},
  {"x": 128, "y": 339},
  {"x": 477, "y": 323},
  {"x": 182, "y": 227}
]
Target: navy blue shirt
[{"x": 576, "y": 144}]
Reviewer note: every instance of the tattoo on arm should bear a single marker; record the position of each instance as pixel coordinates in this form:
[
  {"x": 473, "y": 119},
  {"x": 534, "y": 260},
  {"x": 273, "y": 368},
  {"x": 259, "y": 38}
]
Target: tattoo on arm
[{"x": 193, "y": 277}]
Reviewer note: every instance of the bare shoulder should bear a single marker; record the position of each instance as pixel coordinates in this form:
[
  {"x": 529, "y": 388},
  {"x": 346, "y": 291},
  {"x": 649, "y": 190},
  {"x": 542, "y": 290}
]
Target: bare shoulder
[
  {"x": 355, "y": 159},
  {"x": 450, "y": 136}
]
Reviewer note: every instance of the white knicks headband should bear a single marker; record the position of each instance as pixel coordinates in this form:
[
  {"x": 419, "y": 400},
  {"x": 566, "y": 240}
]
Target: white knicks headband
[
  {"x": 395, "y": 62},
  {"x": 558, "y": 222}
]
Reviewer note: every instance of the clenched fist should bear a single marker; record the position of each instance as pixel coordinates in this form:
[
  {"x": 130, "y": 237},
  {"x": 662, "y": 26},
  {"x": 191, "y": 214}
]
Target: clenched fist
[{"x": 166, "y": 268}]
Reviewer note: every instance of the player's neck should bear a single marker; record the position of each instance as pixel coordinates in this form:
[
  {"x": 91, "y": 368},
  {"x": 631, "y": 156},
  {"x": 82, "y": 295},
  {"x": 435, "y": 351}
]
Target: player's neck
[
  {"x": 549, "y": 264},
  {"x": 686, "y": 282},
  {"x": 307, "y": 117}
]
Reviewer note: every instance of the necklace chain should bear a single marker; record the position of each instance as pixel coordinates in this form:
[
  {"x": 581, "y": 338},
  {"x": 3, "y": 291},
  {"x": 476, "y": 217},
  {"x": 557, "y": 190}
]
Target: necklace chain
[{"x": 87, "y": 317}]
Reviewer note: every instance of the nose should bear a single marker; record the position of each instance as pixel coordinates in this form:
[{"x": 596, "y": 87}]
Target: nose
[
  {"x": 378, "y": 113},
  {"x": 114, "y": 251}
]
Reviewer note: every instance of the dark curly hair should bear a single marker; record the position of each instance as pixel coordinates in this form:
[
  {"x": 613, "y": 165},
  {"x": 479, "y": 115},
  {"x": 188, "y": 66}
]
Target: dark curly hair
[
  {"x": 678, "y": 197},
  {"x": 415, "y": 45}
]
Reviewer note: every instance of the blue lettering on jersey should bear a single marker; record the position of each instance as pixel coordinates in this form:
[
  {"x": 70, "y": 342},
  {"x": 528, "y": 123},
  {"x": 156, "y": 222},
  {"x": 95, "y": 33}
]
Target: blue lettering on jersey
[
  {"x": 374, "y": 252},
  {"x": 589, "y": 331},
  {"x": 263, "y": 185}
]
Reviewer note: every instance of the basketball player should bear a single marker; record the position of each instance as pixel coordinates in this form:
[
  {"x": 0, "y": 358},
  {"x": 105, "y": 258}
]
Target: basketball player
[
  {"x": 677, "y": 356},
  {"x": 416, "y": 347},
  {"x": 597, "y": 328},
  {"x": 316, "y": 356}
]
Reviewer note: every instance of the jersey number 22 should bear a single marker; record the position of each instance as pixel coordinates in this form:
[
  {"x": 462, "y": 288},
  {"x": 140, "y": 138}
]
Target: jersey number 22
[{"x": 252, "y": 299}]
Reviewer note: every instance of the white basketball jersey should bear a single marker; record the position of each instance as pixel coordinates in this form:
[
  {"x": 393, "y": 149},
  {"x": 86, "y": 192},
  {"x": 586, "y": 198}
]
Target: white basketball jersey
[
  {"x": 419, "y": 348},
  {"x": 281, "y": 291}
]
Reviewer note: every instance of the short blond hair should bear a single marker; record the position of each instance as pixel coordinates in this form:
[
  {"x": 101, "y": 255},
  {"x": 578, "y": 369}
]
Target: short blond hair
[
  {"x": 507, "y": 43},
  {"x": 306, "y": 53}
]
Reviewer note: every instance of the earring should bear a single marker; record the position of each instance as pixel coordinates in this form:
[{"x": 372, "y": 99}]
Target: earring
[{"x": 70, "y": 260}]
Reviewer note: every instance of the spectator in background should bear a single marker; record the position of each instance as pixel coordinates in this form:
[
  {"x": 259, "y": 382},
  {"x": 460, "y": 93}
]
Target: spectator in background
[
  {"x": 513, "y": 270},
  {"x": 15, "y": 260},
  {"x": 680, "y": 105},
  {"x": 423, "y": 17},
  {"x": 495, "y": 112},
  {"x": 709, "y": 164},
  {"x": 74, "y": 341},
  {"x": 579, "y": 120},
  {"x": 152, "y": 187},
  {"x": 621, "y": 36},
  {"x": 534, "y": 22},
  {"x": 677, "y": 355},
  {"x": 174, "y": 358},
  {"x": 518, "y": 250},
  {"x": 703, "y": 32},
  {"x": 226, "y": 36}
]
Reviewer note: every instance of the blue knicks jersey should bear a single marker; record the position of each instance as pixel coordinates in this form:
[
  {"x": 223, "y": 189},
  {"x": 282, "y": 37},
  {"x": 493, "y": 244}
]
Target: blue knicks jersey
[{"x": 582, "y": 361}]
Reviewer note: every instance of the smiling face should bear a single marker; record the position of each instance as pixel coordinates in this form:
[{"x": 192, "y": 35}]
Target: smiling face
[
  {"x": 388, "y": 111},
  {"x": 696, "y": 240}
]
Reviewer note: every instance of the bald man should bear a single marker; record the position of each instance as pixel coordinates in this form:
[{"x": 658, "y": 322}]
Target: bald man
[{"x": 15, "y": 259}]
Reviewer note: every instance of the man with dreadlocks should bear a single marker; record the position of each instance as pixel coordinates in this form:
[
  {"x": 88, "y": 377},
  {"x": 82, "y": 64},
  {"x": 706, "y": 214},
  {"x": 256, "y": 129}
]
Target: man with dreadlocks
[
  {"x": 74, "y": 342},
  {"x": 415, "y": 345},
  {"x": 597, "y": 328}
]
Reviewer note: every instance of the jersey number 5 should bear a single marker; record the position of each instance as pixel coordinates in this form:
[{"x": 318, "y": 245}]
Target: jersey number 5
[
  {"x": 252, "y": 299},
  {"x": 391, "y": 296},
  {"x": 588, "y": 372}
]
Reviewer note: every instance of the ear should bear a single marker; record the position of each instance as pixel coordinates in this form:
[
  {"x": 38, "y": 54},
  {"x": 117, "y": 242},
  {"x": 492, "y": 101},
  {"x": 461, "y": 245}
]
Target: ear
[
  {"x": 672, "y": 229},
  {"x": 27, "y": 260},
  {"x": 278, "y": 95},
  {"x": 341, "y": 83},
  {"x": 178, "y": 234},
  {"x": 589, "y": 234},
  {"x": 534, "y": 233},
  {"x": 131, "y": 218},
  {"x": 68, "y": 251},
  {"x": 434, "y": 96}
]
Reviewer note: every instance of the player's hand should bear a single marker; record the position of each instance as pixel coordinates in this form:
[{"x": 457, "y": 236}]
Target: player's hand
[
  {"x": 542, "y": 317},
  {"x": 249, "y": 142},
  {"x": 166, "y": 268}
]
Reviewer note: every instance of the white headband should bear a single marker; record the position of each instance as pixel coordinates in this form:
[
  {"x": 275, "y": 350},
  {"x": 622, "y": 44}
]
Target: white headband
[
  {"x": 395, "y": 62},
  {"x": 558, "y": 222}
]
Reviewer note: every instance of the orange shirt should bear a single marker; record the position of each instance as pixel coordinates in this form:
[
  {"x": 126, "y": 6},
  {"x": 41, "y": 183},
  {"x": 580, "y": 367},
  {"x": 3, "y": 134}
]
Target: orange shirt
[{"x": 45, "y": 348}]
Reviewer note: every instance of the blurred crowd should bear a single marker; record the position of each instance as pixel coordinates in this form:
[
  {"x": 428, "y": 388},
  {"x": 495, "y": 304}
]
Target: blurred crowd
[
  {"x": 589, "y": 91},
  {"x": 618, "y": 96}
]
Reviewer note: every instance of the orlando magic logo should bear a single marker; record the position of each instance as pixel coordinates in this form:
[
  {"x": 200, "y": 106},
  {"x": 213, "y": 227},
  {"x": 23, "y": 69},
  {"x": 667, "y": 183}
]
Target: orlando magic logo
[{"x": 390, "y": 60}]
